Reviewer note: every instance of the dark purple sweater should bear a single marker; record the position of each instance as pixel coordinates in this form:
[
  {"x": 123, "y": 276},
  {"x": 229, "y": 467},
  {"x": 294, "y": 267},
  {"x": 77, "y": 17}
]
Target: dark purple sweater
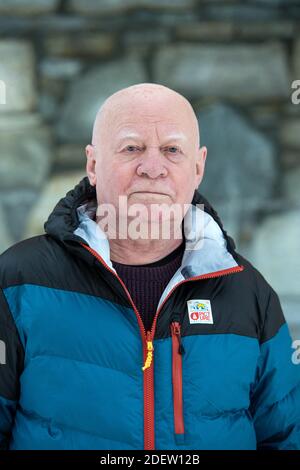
[{"x": 146, "y": 282}]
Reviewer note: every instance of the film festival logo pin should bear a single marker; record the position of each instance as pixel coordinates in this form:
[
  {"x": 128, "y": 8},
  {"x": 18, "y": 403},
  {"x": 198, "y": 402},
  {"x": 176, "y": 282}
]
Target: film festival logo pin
[{"x": 200, "y": 311}]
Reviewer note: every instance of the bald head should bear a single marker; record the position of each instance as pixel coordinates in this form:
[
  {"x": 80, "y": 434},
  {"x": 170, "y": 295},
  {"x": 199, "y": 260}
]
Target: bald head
[{"x": 145, "y": 102}]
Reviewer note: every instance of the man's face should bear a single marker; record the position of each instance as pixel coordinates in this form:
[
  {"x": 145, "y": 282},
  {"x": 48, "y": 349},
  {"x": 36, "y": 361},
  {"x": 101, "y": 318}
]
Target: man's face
[{"x": 148, "y": 152}]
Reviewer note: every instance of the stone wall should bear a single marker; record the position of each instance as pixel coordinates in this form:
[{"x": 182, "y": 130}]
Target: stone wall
[{"x": 236, "y": 61}]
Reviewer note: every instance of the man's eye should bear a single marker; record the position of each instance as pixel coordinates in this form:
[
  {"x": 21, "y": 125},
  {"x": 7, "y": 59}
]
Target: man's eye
[
  {"x": 173, "y": 148},
  {"x": 130, "y": 148}
]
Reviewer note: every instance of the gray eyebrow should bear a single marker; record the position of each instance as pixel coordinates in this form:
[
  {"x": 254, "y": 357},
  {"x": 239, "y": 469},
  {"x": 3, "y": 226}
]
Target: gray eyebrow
[{"x": 176, "y": 136}]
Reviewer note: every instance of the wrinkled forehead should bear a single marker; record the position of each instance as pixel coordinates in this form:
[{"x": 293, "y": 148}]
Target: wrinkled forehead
[{"x": 163, "y": 122}]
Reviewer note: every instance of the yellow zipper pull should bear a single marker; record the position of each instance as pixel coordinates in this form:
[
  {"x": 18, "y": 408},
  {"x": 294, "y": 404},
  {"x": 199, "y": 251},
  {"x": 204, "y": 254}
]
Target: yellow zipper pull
[{"x": 150, "y": 349}]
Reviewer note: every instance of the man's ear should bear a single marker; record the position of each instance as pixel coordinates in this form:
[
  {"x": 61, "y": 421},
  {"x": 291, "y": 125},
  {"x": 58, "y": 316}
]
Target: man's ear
[
  {"x": 200, "y": 165},
  {"x": 91, "y": 164}
]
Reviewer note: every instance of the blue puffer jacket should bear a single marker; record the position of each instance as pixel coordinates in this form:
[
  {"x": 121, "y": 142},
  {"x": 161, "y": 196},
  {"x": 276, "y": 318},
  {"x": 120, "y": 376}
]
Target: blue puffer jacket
[{"x": 79, "y": 371}]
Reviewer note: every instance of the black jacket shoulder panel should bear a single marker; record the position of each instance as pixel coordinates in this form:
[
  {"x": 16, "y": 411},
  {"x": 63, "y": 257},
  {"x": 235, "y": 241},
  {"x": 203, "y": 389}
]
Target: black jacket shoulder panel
[
  {"x": 268, "y": 304},
  {"x": 28, "y": 259},
  {"x": 49, "y": 262}
]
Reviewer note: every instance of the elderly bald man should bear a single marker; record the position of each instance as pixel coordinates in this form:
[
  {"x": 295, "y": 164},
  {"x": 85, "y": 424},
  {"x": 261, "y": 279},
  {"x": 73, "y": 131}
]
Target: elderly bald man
[{"x": 119, "y": 339}]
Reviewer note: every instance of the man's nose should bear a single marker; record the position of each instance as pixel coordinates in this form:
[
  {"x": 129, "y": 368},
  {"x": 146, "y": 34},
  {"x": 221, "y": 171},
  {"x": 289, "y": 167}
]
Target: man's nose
[{"x": 152, "y": 163}]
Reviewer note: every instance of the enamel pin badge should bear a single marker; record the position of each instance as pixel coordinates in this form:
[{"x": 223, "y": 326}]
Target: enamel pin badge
[{"x": 200, "y": 311}]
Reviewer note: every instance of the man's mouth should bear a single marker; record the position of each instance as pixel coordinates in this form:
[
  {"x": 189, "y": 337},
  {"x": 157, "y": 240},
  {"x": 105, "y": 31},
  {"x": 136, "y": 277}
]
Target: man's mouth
[{"x": 151, "y": 192}]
